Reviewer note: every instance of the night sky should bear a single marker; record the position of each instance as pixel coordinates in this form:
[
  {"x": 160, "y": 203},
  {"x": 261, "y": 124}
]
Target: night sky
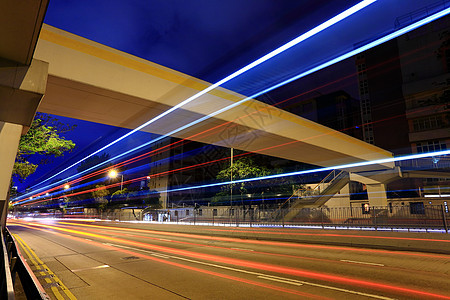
[{"x": 209, "y": 40}]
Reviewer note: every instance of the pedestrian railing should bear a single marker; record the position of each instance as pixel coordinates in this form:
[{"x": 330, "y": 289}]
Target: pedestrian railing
[
  {"x": 406, "y": 216},
  {"x": 13, "y": 265}
]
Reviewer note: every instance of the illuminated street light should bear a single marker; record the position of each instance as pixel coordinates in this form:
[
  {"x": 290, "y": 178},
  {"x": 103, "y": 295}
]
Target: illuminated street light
[
  {"x": 113, "y": 174},
  {"x": 66, "y": 187}
]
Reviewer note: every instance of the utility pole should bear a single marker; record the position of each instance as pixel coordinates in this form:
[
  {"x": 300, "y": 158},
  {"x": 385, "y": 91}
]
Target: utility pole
[{"x": 231, "y": 187}]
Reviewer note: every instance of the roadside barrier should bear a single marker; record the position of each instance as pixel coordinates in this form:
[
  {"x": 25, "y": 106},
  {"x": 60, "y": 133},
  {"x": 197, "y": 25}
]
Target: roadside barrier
[{"x": 13, "y": 266}]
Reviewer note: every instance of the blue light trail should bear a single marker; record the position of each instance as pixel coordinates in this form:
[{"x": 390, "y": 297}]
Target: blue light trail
[
  {"x": 317, "y": 68},
  {"x": 352, "y": 10},
  {"x": 338, "y": 167}
]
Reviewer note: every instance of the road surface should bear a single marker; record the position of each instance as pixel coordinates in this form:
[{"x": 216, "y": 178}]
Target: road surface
[{"x": 112, "y": 260}]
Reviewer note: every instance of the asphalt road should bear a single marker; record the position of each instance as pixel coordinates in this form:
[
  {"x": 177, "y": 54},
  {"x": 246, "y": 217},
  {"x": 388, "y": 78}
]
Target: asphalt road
[{"x": 108, "y": 260}]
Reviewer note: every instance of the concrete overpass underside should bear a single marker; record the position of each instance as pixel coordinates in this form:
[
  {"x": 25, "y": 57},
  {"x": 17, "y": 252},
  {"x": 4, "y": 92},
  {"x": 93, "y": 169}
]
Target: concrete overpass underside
[{"x": 92, "y": 82}]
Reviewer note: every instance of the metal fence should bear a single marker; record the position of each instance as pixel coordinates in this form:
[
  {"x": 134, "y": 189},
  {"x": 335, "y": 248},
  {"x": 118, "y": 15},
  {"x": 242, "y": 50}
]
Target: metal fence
[
  {"x": 415, "y": 215},
  {"x": 407, "y": 216},
  {"x": 14, "y": 266}
]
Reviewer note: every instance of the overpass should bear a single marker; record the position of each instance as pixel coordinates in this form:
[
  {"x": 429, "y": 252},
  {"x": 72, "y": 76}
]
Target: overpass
[{"x": 85, "y": 80}]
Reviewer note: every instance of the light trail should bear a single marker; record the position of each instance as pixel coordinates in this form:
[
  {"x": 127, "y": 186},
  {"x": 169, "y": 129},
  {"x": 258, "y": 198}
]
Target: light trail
[
  {"x": 343, "y": 15},
  {"x": 303, "y": 172},
  {"x": 339, "y": 167},
  {"x": 338, "y": 279},
  {"x": 324, "y": 65},
  {"x": 259, "y": 242},
  {"x": 167, "y": 262},
  {"x": 333, "y": 235}
]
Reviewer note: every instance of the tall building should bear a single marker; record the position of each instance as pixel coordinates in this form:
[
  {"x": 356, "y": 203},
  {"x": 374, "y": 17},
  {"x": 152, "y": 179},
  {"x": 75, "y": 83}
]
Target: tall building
[{"x": 405, "y": 96}]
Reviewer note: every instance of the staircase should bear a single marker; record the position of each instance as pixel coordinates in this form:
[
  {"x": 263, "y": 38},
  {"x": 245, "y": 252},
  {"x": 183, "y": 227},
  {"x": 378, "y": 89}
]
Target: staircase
[{"x": 317, "y": 196}]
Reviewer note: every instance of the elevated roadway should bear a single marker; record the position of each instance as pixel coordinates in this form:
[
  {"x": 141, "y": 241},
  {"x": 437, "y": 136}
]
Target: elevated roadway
[{"x": 92, "y": 82}]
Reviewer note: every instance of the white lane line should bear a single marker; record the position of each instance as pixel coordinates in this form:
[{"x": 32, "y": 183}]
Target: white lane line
[
  {"x": 280, "y": 280},
  {"x": 160, "y": 255},
  {"x": 92, "y": 268},
  {"x": 362, "y": 262},
  {"x": 242, "y": 249},
  {"x": 165, "y": 240},
  {"x": 257, "y": 274}
]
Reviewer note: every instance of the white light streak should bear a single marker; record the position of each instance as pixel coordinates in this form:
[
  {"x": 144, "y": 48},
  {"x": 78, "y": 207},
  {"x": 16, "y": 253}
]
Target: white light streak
[
  {"x": 352, "y": 10},
  {"x": 315, "y": 69}
]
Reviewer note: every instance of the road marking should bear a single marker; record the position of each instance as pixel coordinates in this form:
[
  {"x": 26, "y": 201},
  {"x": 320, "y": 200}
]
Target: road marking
[
  {"x": 242, "y": 249},
  {"x": 362, "y": 262},
  {"x": 282, "y": 281},
  {"x": 92, "y": 268},
  {"x": 166, "y": 240},
  {"x": 257, "y": 274},
  {"x": 57, "y": 293},
  {"x": 39, "y": 265},
  {"x": 161, "y": 255}
]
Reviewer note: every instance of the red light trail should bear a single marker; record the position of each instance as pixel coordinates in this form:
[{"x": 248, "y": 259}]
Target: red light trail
[
  {"x": 211, "y": 130},
  {"x": 254, "y": 265}
]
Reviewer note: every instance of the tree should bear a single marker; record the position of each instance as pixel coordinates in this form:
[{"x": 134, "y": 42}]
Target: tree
[
  {"x": 250, "y": 168},
  {"x": 44, "y": 139},
  {"x": 99, "y": 195},
  {"x": 242, "y": 168}
]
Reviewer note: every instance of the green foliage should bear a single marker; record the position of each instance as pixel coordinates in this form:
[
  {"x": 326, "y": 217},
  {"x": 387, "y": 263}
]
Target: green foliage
[
  {"x": 23, "y": 169},
  {"x": 99, "y": 194},
  {"x": 247, "y": 168},
  {"x": 100, "y": 191},
  {"x": 243, "y": 168},
  {"x": 43, "y": 138},
  {"x": 120, "y": 193}
]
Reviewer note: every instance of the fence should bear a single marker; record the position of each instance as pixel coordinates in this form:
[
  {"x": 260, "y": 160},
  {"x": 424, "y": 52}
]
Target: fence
[
  {"x": 12, "y": 265},
  {"x": 408, "y": 216},
  {"x": 414, "y": 215}
]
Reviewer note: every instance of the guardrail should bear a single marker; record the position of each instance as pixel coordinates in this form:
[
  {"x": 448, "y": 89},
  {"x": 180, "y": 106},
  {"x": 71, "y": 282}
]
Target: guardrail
[
  {"x": 12, "y": 265},
  {"x": 430, "y": 217}
]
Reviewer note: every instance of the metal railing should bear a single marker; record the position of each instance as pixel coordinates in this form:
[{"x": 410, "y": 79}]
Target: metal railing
[
  {"x": 13, "y": 265},
  {"x": 418, "y": 217}
]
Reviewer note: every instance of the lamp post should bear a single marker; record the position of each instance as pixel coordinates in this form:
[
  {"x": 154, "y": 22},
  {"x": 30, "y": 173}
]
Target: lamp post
[{"x": 113, "y": 174}]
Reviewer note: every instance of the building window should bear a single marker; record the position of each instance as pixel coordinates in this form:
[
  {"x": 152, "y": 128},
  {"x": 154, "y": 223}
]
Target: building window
[
  {"x": 363, "y": 87},
  {"x": 431, "y": 146},
  {"x": 361, "y": 69},
  {"x": 428, "y": 123}
]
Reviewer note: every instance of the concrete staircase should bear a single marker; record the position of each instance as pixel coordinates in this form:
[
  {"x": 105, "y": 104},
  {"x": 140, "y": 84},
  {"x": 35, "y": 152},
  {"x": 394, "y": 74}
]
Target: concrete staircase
[{"x": 318, "y": 196}]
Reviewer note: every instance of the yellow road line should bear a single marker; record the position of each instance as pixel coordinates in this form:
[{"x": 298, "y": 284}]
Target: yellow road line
[
  {"x": 40, "y": 264},
  {"x": 57, "y": 293},
  {"x": 30, "y": 257}
]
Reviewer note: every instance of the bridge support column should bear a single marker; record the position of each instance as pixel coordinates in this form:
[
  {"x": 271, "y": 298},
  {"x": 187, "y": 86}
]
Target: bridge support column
[
  {"x": 9, "y": 141},
  {"x": 377, "y": 194},
  {"x": 21, "y": 90}
]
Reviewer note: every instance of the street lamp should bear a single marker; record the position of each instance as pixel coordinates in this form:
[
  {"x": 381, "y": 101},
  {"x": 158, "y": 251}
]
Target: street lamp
[
  {"x": 113, "y": 174},
  {"x": 66, "y": 186}
]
